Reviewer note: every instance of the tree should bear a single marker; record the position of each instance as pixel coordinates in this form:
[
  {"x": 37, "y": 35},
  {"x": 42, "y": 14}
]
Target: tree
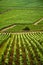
[{"x": 26, "y": 29}]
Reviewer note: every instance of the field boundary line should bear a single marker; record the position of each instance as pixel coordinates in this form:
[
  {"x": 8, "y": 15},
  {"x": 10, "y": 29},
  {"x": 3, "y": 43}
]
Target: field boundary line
[
  {"x": 6, "y": 28},
  {"x": 38, "y": 21},
  {"x": 22, "y": 32}
]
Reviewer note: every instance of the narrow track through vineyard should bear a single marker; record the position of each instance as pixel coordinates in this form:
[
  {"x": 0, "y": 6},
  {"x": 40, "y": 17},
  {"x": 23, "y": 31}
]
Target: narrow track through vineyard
[{"x": 22, "y": 49}]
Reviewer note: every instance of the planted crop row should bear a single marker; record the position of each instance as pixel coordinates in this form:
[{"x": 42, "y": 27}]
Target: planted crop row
[
  {"x": 23, "y": 49},
  {"x": 3, "y": 38}
]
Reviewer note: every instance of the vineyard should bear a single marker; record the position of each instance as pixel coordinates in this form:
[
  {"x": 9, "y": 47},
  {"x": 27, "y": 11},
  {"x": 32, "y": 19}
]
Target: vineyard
[
  {"x": 21, "y": 32},
  {"x": 21, "y": 48}
]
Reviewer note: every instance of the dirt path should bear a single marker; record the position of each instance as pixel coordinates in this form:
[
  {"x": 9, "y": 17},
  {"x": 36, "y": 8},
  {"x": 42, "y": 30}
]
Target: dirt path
[
  {"x": 22, "y": 32},
  {"x": 38, "y": 21},
  {"x": 7, "y": 28}
]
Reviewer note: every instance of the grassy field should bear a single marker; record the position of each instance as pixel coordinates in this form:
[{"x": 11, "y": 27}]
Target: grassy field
[
  {"x": 22, "y": 49},
  {"x": 4, "y": 5},
  {"x": 20, "y": 28},
  {"x": 20, "y": 16},
  {"x": 20, "y": 11}
]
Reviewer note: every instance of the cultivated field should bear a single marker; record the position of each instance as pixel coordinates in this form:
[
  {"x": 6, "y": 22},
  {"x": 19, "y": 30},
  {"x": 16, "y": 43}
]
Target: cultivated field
[
  {"x": 10, "y": 4},
  {"x": 21, "y": 48},
  {"x": 20, "y": 11},
  {"x": 20, "y": 16},
  {"x": 21, "y": 32}
]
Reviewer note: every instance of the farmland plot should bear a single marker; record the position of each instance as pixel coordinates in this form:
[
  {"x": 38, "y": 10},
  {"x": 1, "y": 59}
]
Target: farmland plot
[
  {"x": 29, "y": 15},
  {"x": 22, "y": 49}
]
